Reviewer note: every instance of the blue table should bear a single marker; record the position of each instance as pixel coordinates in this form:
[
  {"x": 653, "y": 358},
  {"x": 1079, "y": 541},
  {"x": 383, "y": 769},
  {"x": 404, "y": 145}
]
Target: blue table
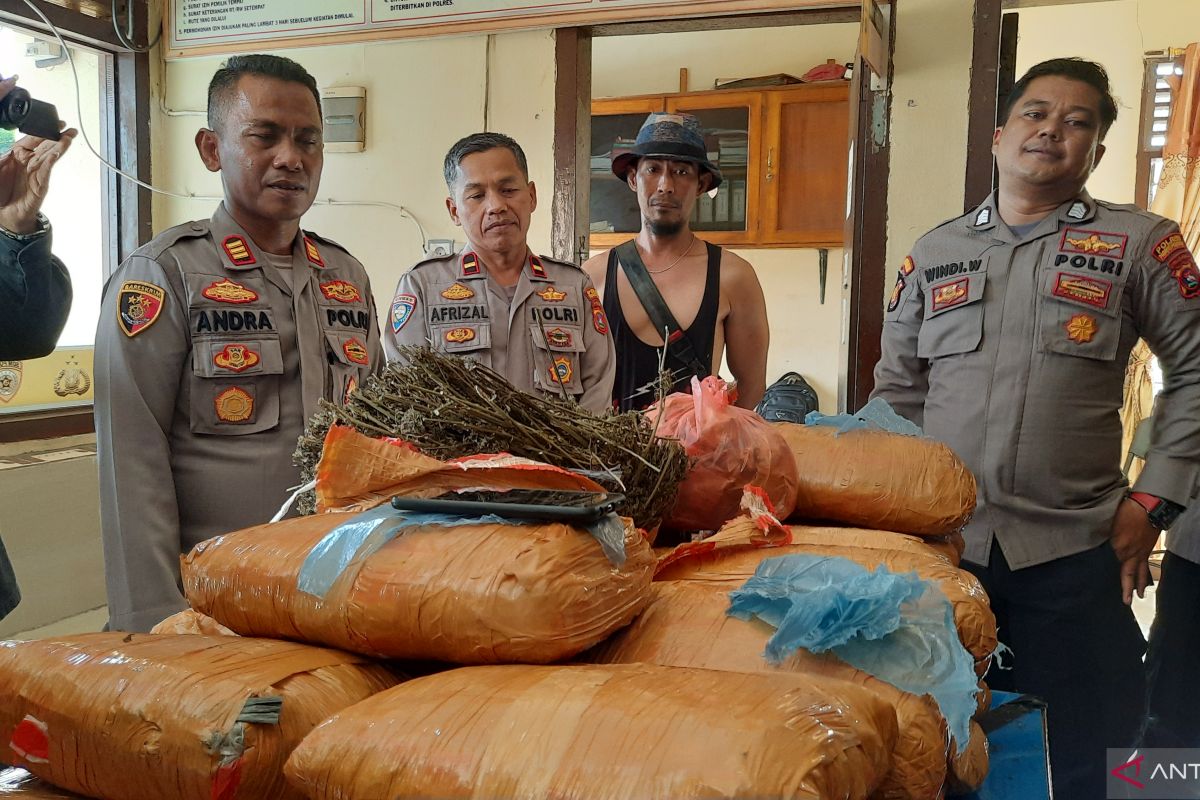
[{"x": 1019, "y": 768}]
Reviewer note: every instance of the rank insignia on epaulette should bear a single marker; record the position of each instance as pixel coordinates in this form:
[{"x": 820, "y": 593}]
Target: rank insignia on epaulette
[
  {"x": 355, "y": 351},
  {"x": 226, "y": 291},
  {"x": 557, "y": 337},
  {"x": 551, "y": 295},
  {"x": 238, "y": 251},
  {"x": 234, "y": 405},
  {"x": 470, "y": 264},
  {"x": 983, "y": 217},
  {"x": 342, "y": 291},
  {"x": 1081, "y": 328},
  {"x": 402, "y": 309},
  {"x": 560, "y": 370},
  {"x": 535, "y": 266},
  {"x": 458, "y": 292},
  {"x": 460, "y": 335},
  {"x": 139, "y": 305},
  {"x": 313, "y": 254},
  {"x": 1078, "y": 210},
  {"x": 236, "y": 358}
]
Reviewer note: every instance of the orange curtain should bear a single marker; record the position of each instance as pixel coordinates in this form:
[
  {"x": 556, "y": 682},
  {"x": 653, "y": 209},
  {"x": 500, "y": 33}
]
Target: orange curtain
[{"x": 1176, "y": 197}]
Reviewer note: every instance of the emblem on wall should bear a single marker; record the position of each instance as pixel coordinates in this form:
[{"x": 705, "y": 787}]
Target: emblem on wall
[{"x": 10, "y": 380}]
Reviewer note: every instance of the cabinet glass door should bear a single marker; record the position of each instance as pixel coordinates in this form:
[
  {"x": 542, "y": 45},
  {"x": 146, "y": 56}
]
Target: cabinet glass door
[{"x": 613, "y": 206}]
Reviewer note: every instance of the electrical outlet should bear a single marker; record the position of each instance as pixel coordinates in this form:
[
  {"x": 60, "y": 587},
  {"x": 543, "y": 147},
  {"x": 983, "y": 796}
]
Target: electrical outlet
[{"x": 439, "y": 247}]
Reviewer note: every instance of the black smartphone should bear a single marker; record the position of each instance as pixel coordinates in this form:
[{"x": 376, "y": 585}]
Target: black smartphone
[
  {"x": 19, "y": 110},
  {"x": 544, "y": 504}
]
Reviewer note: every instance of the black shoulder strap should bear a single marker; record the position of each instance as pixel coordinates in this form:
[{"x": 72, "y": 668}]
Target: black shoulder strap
[{"x": 679, "y": 344}]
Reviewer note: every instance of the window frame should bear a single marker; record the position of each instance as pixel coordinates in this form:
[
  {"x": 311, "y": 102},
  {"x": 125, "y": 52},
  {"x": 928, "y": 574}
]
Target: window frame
[
  {"x": 124, "y": 139},
  {"x": 1146, "y": 152}
]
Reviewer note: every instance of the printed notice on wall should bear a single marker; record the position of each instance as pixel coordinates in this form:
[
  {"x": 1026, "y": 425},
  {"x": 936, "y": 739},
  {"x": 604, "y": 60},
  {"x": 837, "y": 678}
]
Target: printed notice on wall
[
  {"x": 205, "y": 21},
  {"x": 231, "y": 25}
]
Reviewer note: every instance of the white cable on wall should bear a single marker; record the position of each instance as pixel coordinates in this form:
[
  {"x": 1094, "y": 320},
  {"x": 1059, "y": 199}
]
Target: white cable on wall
[{"x": 83, "y": 132}]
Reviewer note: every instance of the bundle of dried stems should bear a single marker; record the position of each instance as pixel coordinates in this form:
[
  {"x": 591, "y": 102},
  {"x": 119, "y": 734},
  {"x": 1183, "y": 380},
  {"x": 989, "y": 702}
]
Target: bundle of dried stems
[{"x": 449, "y": 407}]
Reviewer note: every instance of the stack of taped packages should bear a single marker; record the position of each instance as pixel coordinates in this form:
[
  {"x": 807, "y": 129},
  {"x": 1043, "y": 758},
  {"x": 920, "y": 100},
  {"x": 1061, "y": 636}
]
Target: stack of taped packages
[
  {"x": 553, "y": 663},
  {"x": 869, "y": 491}
]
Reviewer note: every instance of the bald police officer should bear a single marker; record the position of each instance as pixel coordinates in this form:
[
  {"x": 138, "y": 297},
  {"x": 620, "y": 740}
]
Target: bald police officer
[
  {"x": 536, "y": 321},
  {"x": 1006, "y": 337},
  {"x": 217, "y": 340}
]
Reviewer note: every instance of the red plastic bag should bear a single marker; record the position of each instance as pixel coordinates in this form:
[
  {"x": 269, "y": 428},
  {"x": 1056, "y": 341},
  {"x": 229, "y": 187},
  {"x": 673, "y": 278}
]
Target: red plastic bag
[{"x": 732, "y": 447}]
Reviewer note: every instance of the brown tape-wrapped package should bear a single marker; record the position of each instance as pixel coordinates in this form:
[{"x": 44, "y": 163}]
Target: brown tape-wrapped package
[
  {"x": 731, "y": 447},
  {"x": 686, "y": 625},
  {"x": 471, "y": 594},
  {"x": 876, "y": 479},
  {"x": 19, "y": 783},
  {"x": 622, "y": 732},
  {"x": 731, "y": 557},
  {"x": 969, "y": 766},
  {"x": 145, "y": 717},
  {"x": 192, "y": 622}
]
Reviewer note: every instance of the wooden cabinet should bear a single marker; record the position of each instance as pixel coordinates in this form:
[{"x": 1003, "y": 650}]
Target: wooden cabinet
[{"x": 782, "y": 152}]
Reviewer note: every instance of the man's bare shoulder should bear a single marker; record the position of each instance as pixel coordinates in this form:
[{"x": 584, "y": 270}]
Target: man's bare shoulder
[
  {"x": 737, "y": 273},
  {"x": 595, "y": 267}
]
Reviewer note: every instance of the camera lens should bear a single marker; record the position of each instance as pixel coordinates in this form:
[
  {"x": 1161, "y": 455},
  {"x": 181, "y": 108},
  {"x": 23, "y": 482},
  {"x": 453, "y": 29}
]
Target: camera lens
[{"x": 14, "y": 107}]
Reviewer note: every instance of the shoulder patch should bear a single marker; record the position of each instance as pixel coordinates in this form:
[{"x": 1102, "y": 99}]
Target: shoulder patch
[
  {"x": 433, "y": 259},
  {"x": 188, "y": 230},
  {"x": 571, "y": 264},
  {"x": 324, "y": 240},
  {"x": 139, "y": 305}
]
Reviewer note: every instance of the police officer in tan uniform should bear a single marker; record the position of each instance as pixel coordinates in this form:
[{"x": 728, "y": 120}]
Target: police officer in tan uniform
[
  {"x": 537, "y": 321},
  {"x": 217, "y": 340},
  {"x": 1007, "y": 336}
]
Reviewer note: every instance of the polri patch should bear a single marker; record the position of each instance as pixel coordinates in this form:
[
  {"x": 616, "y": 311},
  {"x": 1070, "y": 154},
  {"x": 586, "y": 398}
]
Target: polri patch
[
  {"x": 355, "y": 351},
  {"x": 351, "y": 388},
  {"x": 238, "y": 251},
  {"x": 313, "y": 254},
  {"x": 1168, "y": 246},
  {"x": 226, "y": 291},
  {"x": 551, "y": 295},
  {"x": 1093, "y": 243},
  {"x": 535, "y": 266},
  {"x": 1081, "y": 328},
  {"x": 1093, "y": 291},
  {"x": 908, "y": 267},
  {"x": 458, "y": 292},
  {"x": 341, "y": 291},
  {"x": 897, "y": 292},
  {"x": 599, "y": 320},
  {"x": 460, "y": 335},
  {"x": 234, "y": 405},
  {"x": 561, "y": 370},
  {"x": 951, "y": 294},
  {"x": 402, "y": 310},
  {"x": 1183, "y": 269},
  {"x": 236, "y": 358},
  {"x": 139, "y": 305}
]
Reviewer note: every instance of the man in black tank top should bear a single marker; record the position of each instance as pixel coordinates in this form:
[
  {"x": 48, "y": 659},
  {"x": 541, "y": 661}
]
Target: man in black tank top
[{"x": 668, "y": 286}]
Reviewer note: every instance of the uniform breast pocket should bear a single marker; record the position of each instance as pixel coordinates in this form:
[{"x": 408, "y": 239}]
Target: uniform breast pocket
[
  {"x": 1079, "y": 315},
  {"x": 235, "y": 385},
  {"x": 349, "y": 364},
  {"x": 556, "y": 357},
  {"x": 469, "y": 340},
  {"x": 953, "y": 321}
]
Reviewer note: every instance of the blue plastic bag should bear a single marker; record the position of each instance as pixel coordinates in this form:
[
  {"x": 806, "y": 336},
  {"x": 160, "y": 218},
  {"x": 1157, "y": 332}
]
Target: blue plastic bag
[
  {"x": 896, "y": 627},
  {"x": 877, "y": 414}
]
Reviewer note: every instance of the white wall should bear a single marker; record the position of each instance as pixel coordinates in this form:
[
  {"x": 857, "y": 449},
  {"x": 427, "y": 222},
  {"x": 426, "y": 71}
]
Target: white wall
[
  {"x": 804, "y": 333},
  {"x": 422, "y": 95},
  {"x": 1119, "y": 32}
]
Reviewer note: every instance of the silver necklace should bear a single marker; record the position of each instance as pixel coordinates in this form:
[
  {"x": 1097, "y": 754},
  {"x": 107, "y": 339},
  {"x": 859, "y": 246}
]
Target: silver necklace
[{"x": 676, "y": 261}]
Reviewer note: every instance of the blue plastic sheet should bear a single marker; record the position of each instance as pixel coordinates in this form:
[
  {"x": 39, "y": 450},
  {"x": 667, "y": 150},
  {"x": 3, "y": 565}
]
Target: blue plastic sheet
[
  {"x": 877, "y": 414},
  {"x": 365, "y": 533},
  {"x": 896, "y": 627}
]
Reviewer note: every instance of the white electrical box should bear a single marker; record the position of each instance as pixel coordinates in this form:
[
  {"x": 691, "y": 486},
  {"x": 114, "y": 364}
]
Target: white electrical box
[
  {"x": 344, "y": 118},
  {"x": 439, "y": 247}
]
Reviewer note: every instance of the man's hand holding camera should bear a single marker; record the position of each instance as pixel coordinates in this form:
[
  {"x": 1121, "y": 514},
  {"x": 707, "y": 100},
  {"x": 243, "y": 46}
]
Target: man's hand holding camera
[{"x": 25, "y": 174}]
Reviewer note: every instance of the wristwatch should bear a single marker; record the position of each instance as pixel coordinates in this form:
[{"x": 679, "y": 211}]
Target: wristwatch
[
  {"x": 1161, "y": 513},
  {"x": 43, "y": 227}
]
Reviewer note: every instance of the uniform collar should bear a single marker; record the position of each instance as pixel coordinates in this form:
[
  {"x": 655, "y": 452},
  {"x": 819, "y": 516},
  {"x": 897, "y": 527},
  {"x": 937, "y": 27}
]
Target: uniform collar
[
  {"x": 239, "y": 252},
  {"x": 471, "y": 267},
  {"x": 986, "y": 215}
]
